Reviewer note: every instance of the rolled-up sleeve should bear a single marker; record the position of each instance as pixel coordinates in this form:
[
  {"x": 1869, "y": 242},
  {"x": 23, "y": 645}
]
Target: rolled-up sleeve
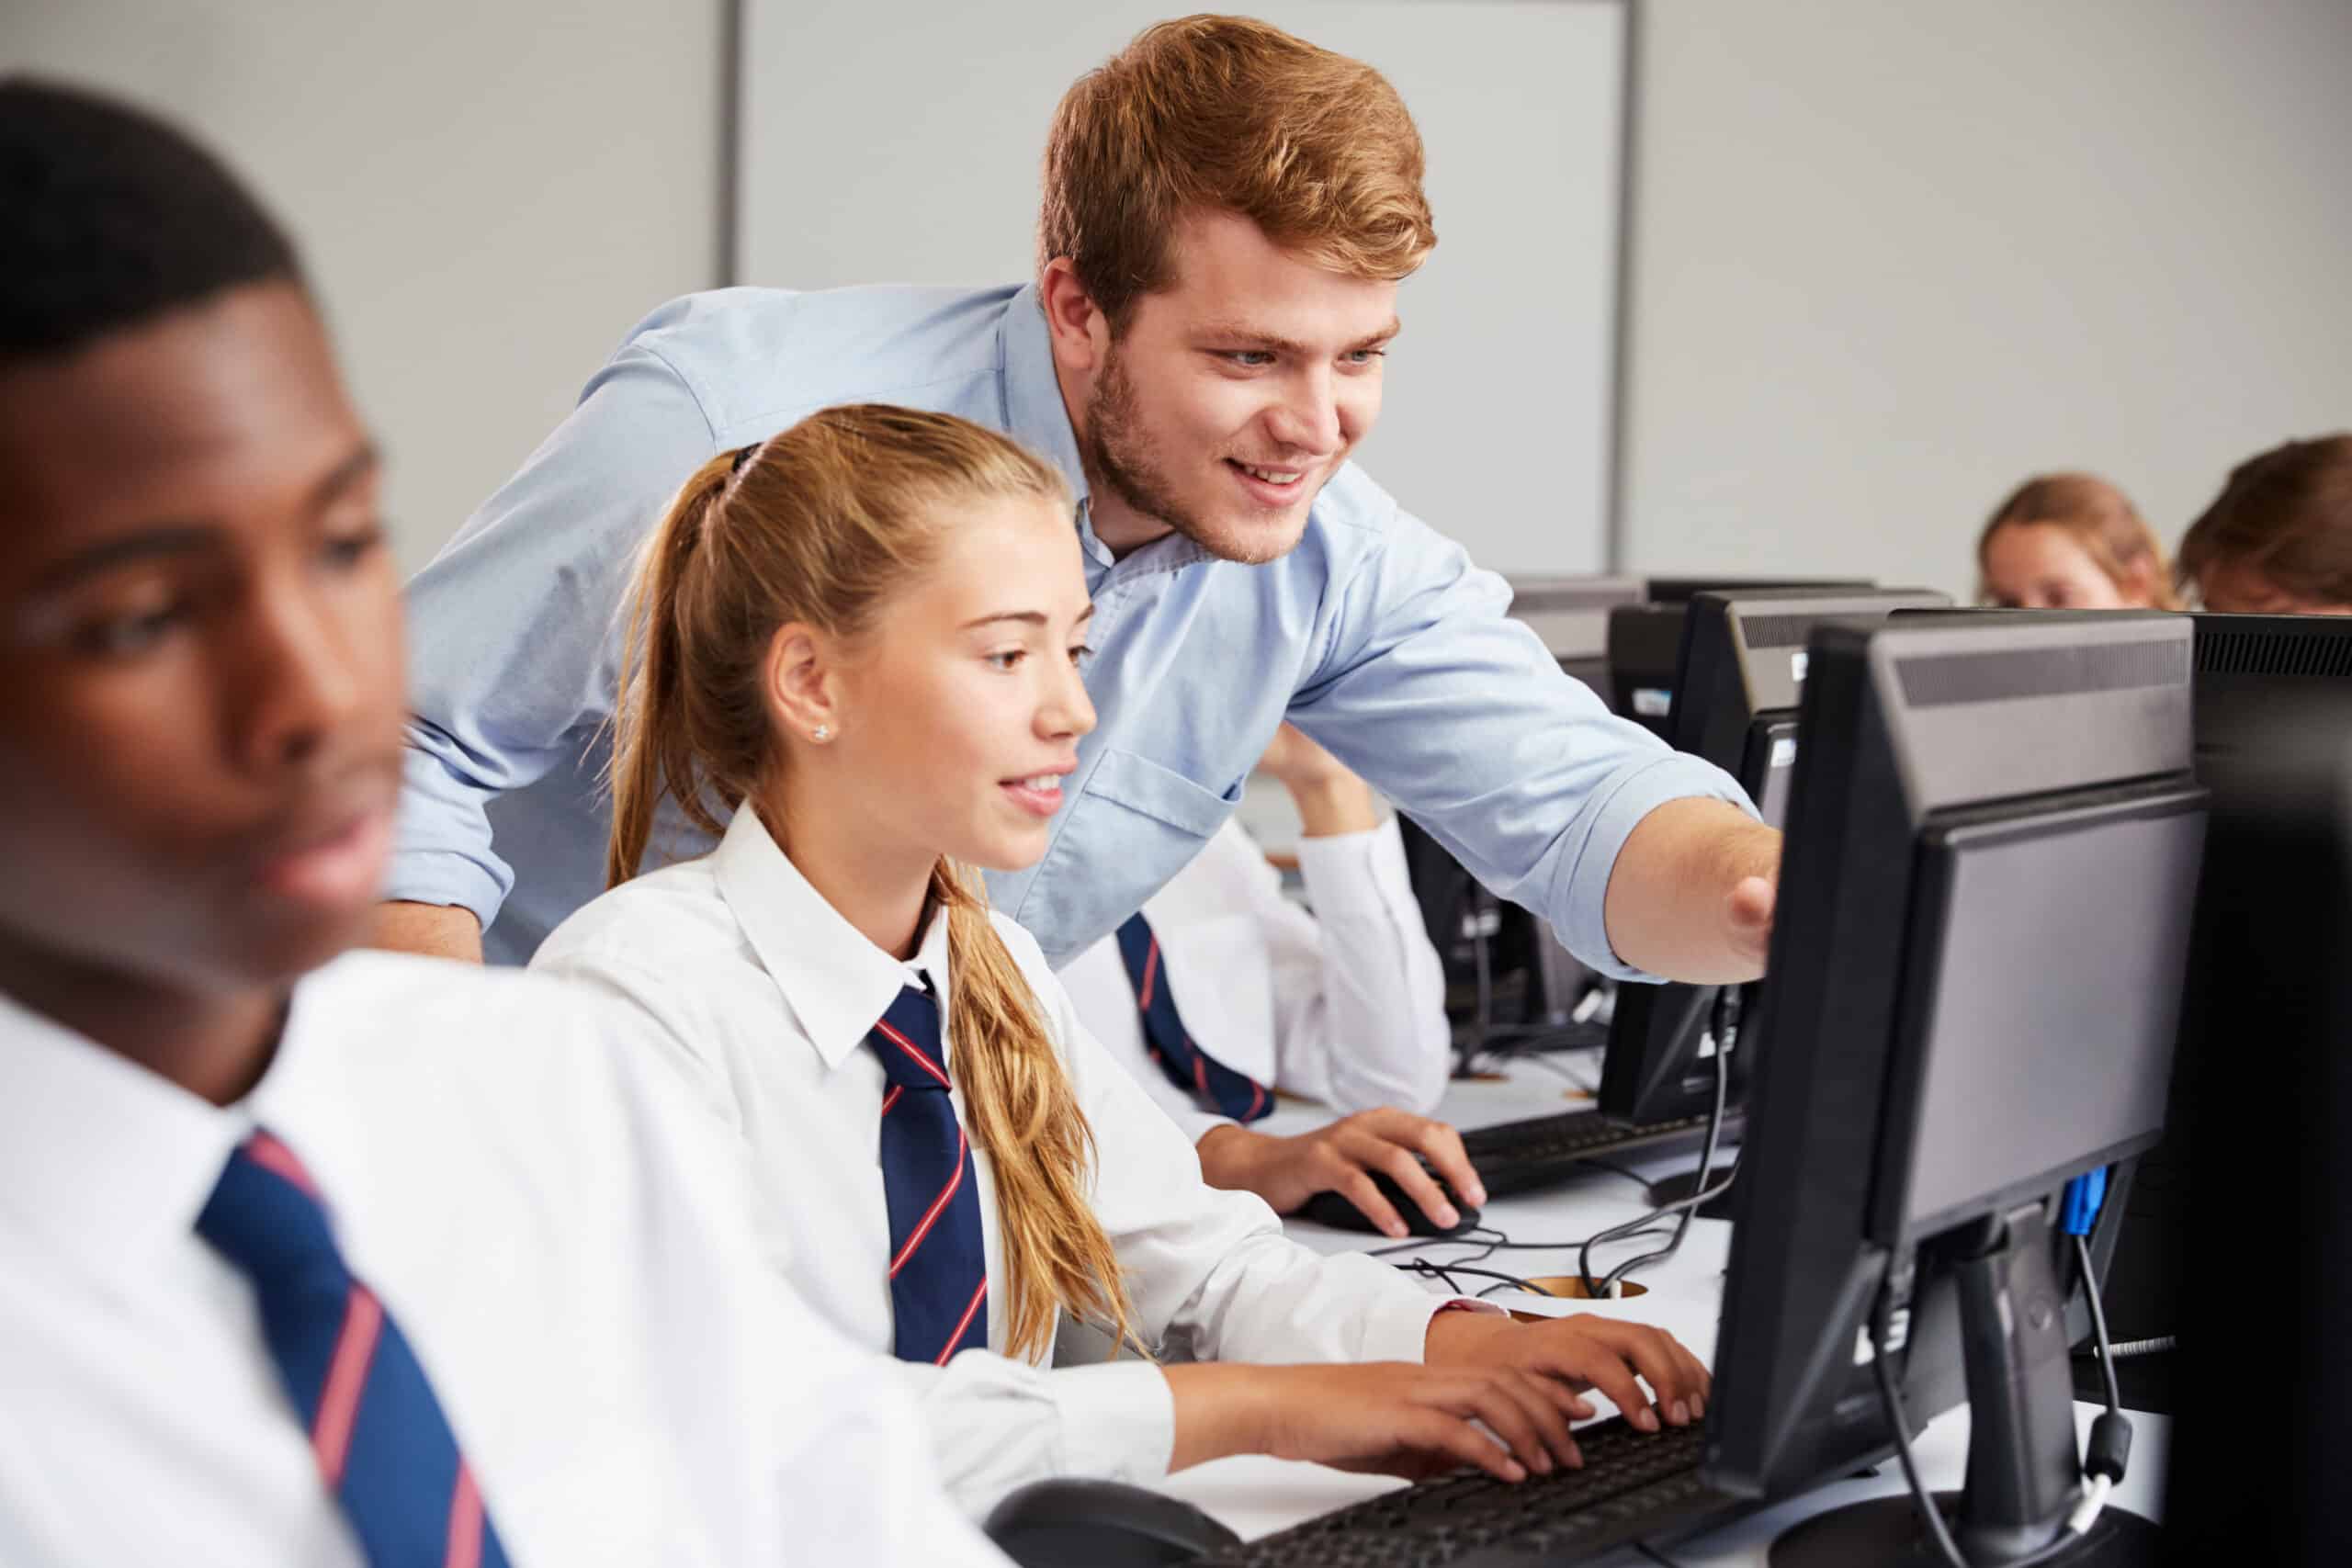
[
  {"x": 514, "y": 629},
  {"x": 1458, "y": 713}
]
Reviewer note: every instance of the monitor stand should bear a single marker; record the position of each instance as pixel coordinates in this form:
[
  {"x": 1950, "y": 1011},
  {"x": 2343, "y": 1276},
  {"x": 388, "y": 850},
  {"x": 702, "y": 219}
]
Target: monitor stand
[{"x": 2024, "y": 1475}]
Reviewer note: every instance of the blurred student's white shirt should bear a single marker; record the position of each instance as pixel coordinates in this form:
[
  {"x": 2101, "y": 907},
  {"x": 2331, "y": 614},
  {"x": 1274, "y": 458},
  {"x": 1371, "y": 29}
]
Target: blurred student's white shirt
[
  {"x": 1345, "y": 1005},
  {"x": 573, "y": 1261}
]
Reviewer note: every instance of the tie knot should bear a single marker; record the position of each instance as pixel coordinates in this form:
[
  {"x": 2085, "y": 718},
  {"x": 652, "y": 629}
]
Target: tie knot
[
  {"x": 264, "y": 1213},
  {"x": 907, "y": 1039}
]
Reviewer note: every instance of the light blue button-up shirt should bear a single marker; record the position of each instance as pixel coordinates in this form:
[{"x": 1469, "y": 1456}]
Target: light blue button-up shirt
[{"x": 1376, "y": 636}]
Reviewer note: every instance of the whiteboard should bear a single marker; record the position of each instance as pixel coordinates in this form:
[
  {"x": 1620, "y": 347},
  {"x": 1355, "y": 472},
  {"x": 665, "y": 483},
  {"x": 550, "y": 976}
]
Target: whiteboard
[{"x": 899, "y": 140}]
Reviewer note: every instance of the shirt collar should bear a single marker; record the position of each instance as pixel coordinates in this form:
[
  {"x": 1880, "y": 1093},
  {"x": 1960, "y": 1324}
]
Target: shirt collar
[
  {"x": 1036, "y": 414},
  {"x": 113, "y": 1161},
  {"x": 836, "y": 983}
]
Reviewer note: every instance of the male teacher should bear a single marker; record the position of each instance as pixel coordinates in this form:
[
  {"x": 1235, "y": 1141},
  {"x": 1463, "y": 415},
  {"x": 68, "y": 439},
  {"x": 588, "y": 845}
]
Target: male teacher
[{"x": 1227, "y": 212}]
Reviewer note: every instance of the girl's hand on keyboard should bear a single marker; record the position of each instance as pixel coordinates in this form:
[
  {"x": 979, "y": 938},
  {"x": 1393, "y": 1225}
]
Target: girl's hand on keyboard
[
  {"x": 1395, "y": 1418},
  {"x": 1583, "y": 1353}
]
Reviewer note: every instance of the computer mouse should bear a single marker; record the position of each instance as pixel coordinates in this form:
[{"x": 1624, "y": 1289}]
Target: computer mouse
[
  {"x": 1329, "y": 1208},
  {"x": 1071, "y": 1523}
]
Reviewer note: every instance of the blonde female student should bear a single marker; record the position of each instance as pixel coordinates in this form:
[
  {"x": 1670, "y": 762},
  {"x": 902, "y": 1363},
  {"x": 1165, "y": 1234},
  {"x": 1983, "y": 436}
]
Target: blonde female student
[{"x": 861, "y": 639}]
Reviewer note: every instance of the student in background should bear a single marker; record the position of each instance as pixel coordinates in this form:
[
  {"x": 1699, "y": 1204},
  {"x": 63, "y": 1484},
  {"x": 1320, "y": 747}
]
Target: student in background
[
  {"x": 1222, "y": 991},
  {"x": 2071, "y": 542},
  {"x": 2277, "y": 540},
  {"x": 311, "y": 1260},
  {"x": 859, "y": 639}
]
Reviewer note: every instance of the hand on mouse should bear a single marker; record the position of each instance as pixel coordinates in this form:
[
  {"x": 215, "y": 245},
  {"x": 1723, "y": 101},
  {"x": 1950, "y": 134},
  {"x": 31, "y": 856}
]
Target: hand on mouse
[
  {"x": 1382, "y": 1417},
  {"x": 1583, "y": 1352},
  {"x": 1339, "y": 1159}
]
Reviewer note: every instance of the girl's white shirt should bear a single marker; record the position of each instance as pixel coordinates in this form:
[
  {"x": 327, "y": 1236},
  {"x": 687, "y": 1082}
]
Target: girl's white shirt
[{"x": 765, "y": 995}]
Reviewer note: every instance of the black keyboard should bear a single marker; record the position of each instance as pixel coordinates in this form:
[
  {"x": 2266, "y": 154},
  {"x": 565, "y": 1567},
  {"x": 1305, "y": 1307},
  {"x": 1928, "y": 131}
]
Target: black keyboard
[
  {"x": 1634, "y": 1485},
  {"x": 1520, "y": 1156}
]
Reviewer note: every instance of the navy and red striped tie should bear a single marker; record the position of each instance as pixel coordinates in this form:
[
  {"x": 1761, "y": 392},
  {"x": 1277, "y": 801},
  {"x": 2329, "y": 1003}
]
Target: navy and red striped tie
[
  {"x": 1212, "y": 1084},
  {"x": 939, "y": 1275},
  {"x": 383, "y": 1447}
]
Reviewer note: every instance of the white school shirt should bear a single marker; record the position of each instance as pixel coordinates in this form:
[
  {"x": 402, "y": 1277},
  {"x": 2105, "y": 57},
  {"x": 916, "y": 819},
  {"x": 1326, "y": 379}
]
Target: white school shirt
[
  {"x": 766, "y": 994},
  {"x": 1345, "y": 1006},
  {"x": 576, "y": 1269}
]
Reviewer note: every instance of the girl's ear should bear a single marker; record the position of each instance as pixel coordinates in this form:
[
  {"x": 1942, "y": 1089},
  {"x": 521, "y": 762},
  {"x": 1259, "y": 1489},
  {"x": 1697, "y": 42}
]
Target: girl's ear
[
  {"x": 802, "y": 684},
  {"x": 2143, "y": 588}
]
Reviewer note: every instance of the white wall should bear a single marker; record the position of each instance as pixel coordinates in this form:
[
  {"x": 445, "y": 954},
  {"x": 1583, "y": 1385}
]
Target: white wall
[
  {"x": 487, "y": 195},
  {"x": 1889, "y": 259}
]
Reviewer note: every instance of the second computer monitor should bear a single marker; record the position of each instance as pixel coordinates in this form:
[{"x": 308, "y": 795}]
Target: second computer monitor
[
  {"x": 1645, "y": 639},
  {"x": 1739, "y": 671}
]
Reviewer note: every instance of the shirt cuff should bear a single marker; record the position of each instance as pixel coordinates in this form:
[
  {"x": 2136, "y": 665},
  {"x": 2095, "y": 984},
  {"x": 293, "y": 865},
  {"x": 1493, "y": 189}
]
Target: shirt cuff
[
  {"x": 433, "y": 876},
  {"x": 1118, "y": 1420},
  {"x": 1619, "y": 805},
  {"x": 441, "y": 845},
  {"x": 1343, "y": 871}
]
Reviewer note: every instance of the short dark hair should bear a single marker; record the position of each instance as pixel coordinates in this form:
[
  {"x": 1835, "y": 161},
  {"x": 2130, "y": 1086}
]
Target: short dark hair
[{"x": 113, "y": 218}]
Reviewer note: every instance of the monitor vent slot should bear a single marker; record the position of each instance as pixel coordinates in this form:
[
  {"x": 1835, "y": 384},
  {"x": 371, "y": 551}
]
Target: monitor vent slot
[
  {"x": 2274, "y": 652},
  {"x": 1795, "y": 628},
  {"x": 1942, "y": 680},
  {"x": 1779, "y": 631}
]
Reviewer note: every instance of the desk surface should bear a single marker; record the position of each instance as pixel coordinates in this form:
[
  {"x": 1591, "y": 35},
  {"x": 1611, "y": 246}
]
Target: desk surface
[{"x": 1256, "y": 1495}]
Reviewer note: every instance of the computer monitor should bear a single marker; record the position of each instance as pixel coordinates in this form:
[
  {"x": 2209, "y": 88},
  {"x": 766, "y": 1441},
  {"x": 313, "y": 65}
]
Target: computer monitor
[
  {"x": 2263, "y": 685},
  {"x": 1739, "y": 672},
  {"x": 2266, "y": 1292},
  {"x": 1994, "y": 842},
  {"x": 1644, "y": 640}
]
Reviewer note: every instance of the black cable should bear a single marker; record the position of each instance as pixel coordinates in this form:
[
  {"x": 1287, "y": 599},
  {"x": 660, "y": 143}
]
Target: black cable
[
  {"x": 2109, "y": 1450},
  {"x": 1687, "y": 1208},
  {"x": 1925, "y": 1500},
  {"x": 1446, "y": 1271},
  {"x": 1726, "y": 1024},
  {"x": 1471, "y": 1235},
  {"x": 2099, "y": 1326},
  {"x": 1655, "y": 1555}
]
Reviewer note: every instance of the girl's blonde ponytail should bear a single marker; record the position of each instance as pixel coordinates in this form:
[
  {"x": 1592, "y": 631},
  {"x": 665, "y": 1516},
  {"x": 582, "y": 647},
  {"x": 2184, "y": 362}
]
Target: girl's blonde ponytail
[
  {"x": 1025, "y": 1116},
  {"x": 652, "y": 754}
]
